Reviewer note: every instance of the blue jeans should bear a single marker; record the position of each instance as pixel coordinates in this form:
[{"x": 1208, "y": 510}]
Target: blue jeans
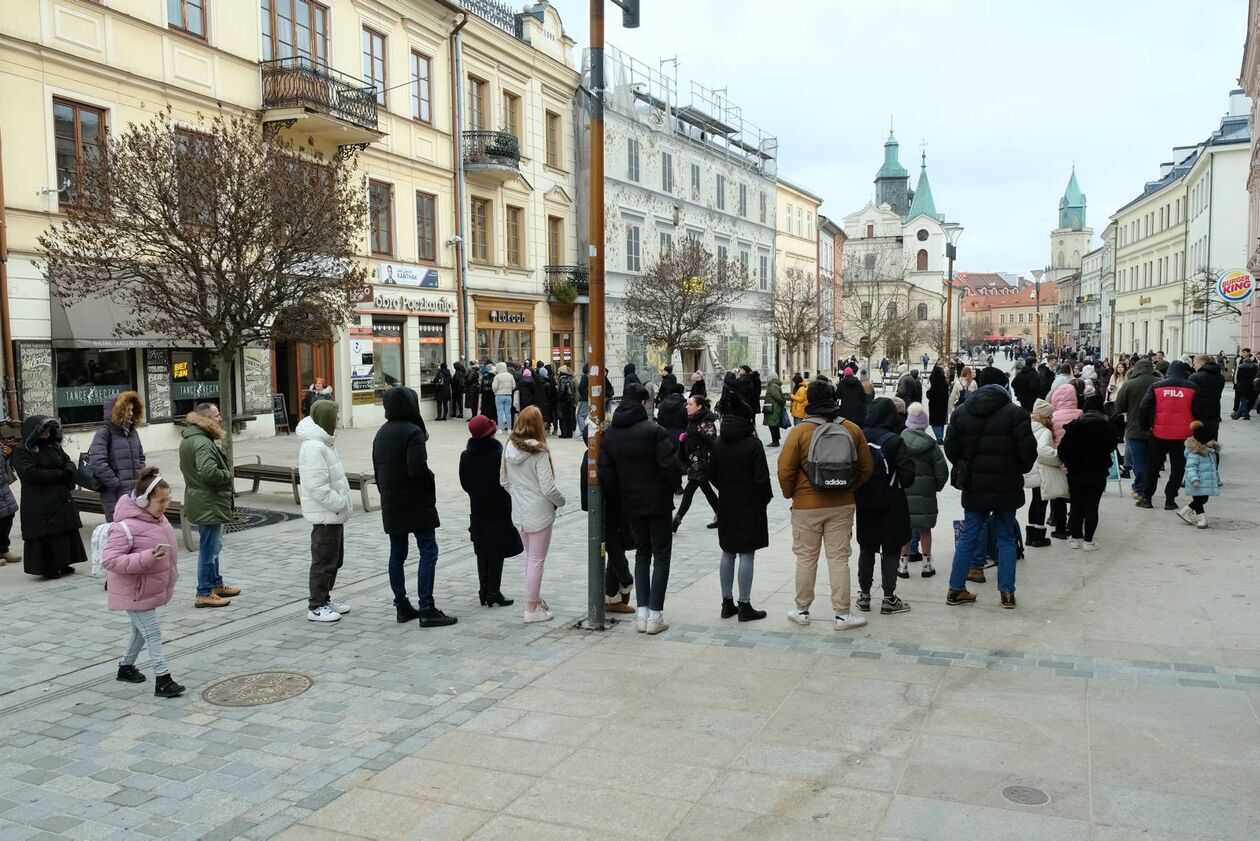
[
  {"x": 1004, "y": 523},
  {"x": 1242, "y": 405},
  {"x": 210, "y": 542},
  {"x": 1135, "y": 458},
  {"x": 426, "y": 542},
  {"x": 503, "y": 408},
  {"x": 938, "y": 429}
]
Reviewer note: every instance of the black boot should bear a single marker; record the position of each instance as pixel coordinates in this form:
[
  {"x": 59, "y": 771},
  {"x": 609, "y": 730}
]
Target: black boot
[
  {"x": 481, "y": 597},
  {"x": 1035, "y": 538},
  {"x": 728, "y": 608},
  {"x": 748, "y": 613},
  {"x": 130, "y": 674},
  {"x": 433, "y": 618},
  {"x": 497, "y": 600},
  {"x": 166, "y": 687},
  {"x": 406, "y": 610}
]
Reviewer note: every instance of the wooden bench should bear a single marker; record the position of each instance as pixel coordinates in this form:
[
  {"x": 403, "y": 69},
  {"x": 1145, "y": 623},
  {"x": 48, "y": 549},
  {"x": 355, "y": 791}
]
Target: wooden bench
[
  {"x": 259, "y": 473},
  {"x": 89, "y": 502}
]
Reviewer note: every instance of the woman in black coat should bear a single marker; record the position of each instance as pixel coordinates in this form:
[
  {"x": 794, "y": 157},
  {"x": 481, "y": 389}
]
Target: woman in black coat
[
  {"x": 459, "y": 380},
  {"x": 400, "y": 462},
  {"x": 50, "y": 520},
  {"x": 698, "y": 388},
  {"x": 738, "y": 469},
  {"x": 672, "y": 412},
  {"x": 442, "y": 390},
  {"x": 490, "y": 510},
  {"x": 938, "y": 401},
  {"x": 853, "y": 400}
]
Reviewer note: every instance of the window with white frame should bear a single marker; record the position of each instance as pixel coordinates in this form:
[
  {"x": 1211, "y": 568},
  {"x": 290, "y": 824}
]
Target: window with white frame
[
  {"x": 720, "y": 192},
  {"x": 695, "y": 182},
  {"x": 667, "y": 172},
  {"x": 763, "y": 272},
  {"x": 634, "y": 256},
  {"x": 743, "y": 199},
  {"x": 667, "y": 241},
  {"x": 632, "y": 159},
  {"x": 763, "y": 207}
]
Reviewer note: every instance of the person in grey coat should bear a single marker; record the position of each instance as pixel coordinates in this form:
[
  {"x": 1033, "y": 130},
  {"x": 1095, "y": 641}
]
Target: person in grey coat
[{"x": 116, "y": 455}]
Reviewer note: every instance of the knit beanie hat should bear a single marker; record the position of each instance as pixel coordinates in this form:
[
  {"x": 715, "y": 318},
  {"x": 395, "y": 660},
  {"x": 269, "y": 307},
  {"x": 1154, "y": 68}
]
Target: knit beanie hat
[
  {"x": 324, "y": 413},
  {"x": 899, "y": 405},
  {"x": 991, "y": 376},
  {"x": 1042, "y": 410},
  {"x": 482, "y": 427},
  {"x": 527, "y": 374},
  {"x": 917, "y": 417},
  {"x": 1200, "y": 432}
]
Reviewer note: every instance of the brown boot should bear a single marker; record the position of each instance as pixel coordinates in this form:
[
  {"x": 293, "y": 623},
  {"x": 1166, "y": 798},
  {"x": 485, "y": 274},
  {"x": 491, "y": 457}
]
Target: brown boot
[
  {"x": 1008, "y": 601},
  {"x": 976, "y": 575},
  {"x": 959, "y": 597},
  {"x": 211, "y": 601},
  {"x": 226, "y": 592},
  {"x": 618, "y": 607}
]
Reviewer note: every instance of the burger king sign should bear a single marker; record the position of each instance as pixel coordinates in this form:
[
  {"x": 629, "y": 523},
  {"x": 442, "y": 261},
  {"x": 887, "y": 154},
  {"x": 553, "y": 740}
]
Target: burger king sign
[{"x": 1234, "y": 287}]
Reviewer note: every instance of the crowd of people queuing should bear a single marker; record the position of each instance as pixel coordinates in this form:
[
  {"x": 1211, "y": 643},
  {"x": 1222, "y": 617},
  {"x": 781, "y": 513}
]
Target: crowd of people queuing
[{"x": 852, "y": 464}]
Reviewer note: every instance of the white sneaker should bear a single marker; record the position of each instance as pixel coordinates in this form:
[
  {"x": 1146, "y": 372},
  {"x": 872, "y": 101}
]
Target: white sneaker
[
  {"x": 1186, "y": 515},
  {"x": 655, "y": 626},
  {"x": 800, "y": 617},
  {"x": 1201, "y": 521},
  {"x": 640, "y": 624},
  {"x": 324, "y": 614},
  {"x": 1074, "y": 543},
  {"x": 1090, "y": 546},
  {"x": 845, "y": 622},
  {"x": 339, "y": 607},
  {"x": 540, "y": 615}
]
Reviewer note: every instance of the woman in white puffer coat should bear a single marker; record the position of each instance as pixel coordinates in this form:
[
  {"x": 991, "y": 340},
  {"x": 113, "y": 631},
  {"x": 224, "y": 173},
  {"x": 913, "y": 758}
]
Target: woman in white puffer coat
[
  {"x": 1047, "y": 478},
  {"x": 530, "y": 478},
  {"x": 326, "y": 505}
]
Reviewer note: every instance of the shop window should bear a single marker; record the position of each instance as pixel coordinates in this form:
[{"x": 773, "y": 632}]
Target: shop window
[
  {"x": 194, "y": 379},
  {"x": 505, "y": 344},
  {"x": 432, "y": 346},
  {"x": 86, "y": 377},
  {"x": 387, "y": 352}
]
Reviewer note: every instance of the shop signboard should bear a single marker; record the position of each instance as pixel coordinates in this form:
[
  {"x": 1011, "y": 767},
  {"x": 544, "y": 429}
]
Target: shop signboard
[
  {"x": 362, "y": 373},
  {"x": 402, "y": 274}
]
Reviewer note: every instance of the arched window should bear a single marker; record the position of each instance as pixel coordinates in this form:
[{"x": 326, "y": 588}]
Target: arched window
[
  {"x": 866, "y": 310},
  {"x": 1061, "y": 263},
  {"x": 922, "y": 312},
  {"x": 892, "y": 309},
  {"x": 920, "y": 260}
]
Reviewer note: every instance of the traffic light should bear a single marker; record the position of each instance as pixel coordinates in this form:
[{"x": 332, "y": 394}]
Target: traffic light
[{"x": 629, "y": 13}]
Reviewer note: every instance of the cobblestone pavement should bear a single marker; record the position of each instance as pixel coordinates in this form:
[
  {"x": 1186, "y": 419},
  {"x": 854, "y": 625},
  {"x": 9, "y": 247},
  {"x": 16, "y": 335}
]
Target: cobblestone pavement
[{"x": 1121, "y": 696}]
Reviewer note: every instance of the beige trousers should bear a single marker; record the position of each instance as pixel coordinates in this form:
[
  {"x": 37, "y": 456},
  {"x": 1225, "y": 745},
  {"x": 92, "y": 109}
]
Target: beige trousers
[{"x": 811, "y": 529}]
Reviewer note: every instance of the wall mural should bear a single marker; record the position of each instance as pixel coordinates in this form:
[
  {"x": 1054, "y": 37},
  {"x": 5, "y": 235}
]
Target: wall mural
[
  {"x": 35, "y": 373},
  {"x": 157, "y": 381},
  {"x": 257, "y": 380}
]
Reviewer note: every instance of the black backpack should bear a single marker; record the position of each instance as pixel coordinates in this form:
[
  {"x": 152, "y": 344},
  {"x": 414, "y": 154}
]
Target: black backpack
[{"x": 876, "y": 492}]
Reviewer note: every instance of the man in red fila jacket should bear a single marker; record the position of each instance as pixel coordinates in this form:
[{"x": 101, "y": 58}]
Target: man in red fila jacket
[{"x": 1166, "y": 412}]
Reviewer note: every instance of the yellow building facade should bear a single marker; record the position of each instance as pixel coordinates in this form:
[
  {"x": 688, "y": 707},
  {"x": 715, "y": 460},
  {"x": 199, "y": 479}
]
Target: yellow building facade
[{"x": 796, "y": 249}]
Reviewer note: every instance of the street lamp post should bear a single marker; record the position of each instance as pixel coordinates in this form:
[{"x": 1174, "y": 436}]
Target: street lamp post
[
  {"x": 597, "y": 377},
  {"x": 952, "y": 232}
]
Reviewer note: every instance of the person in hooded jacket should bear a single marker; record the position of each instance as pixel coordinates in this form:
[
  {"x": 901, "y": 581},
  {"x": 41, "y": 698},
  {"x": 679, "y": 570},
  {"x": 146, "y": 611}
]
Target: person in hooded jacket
[
  {"x": 1202, "y": 455},
  {"x": 50, "y": 520},
  {"x": 116, "y": 455},
  {"x": 1138, "y": 381},
  {"x": 326, "y": 505},
  {"x": 629, "y": 375},
  {"x": 1210, "y": 382},
  {"x": 910, "y": 387},
  {"x": 883, "y": 514},
  {"x": 529, "y": 477},
  {"x": 490, "y": 527},
  {"x": 853, "y": 400},
  {"x": 772, "y": 411},
  {"x": 527, "y": 394},
  {"x": 442, "y": 390},
  {"x": 1166, "y": 412},
  {"x": 459, "y": 381},
  {"x": 502, "y": 386},
  {"x": 1244, "y": 387},
  {"x": 938, "y": 401},
  {"x": 400, "y": 463},
  {"x": 668, "y": 380},
  {"x": 1026, "y": 385},
  {"x": 698, "y": 386},
  {"x": 141, "y": 567},
  {"x": 696, "y": 448},
  {"x": 566, "y": 402},
  {"x": 637, "y": 462},
  {"x": 1046, "y": 478},
  {"x": 930, "y": 475},
  {"x": 799, "y": 398},
  {"x": 1064, "y": 401},
  {"x": 208, "y": 499},
  {"x": 738, "y": 469},
  {"x": 994, "y": 439},
  {"x": 487, "y": 402},
  {"x": 1085, "y": 451},
  {"x": 671, "y": 412}
]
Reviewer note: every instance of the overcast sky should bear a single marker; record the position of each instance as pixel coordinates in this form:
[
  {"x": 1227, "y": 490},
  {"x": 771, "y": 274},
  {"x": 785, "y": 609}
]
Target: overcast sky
[{"x": 1007, "y": 94}]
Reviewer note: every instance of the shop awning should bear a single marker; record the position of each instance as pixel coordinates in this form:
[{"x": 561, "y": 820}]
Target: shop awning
[{"x": 90, "y": 323}]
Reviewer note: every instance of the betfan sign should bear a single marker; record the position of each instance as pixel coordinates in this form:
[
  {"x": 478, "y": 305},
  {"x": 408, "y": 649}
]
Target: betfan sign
[{"x": 1234, "y": 287}]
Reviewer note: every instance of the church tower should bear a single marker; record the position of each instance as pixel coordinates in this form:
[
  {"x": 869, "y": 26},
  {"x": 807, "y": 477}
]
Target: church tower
[
  {"x": 892, "y": 182},
  {"x": 1073, "y": 238}
]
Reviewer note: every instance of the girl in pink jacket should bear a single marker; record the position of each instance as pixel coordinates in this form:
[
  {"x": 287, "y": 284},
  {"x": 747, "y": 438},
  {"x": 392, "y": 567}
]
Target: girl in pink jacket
[
  {"x": 1066, "y": 409},
  {"x": 140, "y": 573}
]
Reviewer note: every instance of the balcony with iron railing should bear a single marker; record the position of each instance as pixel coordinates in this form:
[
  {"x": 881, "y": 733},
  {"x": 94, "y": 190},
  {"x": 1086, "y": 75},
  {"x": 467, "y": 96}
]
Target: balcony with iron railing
[
  {"x": 298, "y": 92},
  {"x": 491, "y": 157},
  {"x": 569, "y": 284}
]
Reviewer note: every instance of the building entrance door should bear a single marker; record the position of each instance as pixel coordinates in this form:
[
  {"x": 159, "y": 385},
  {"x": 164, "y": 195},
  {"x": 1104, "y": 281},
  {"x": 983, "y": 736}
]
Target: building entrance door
[{"x": 296, "y": 366}]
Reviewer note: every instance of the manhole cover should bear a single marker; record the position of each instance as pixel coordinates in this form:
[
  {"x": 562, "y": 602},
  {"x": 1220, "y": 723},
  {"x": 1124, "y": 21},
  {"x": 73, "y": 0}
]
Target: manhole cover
[
  {"x": 258, "y": 688},
  {"x": 1026, "y": 795},
  {"x": 252, "y": 518},
  {"x": 1229, "y": 525}
]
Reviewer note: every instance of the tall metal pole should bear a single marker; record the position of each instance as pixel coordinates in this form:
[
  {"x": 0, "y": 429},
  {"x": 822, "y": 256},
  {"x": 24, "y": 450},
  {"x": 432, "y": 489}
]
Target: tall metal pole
[
  {"x": 1037, "y": 292},
  {"x": 595, "y": 330},
  {"x": 950, "y": 251},
  {"x": 6, "y": 329}
]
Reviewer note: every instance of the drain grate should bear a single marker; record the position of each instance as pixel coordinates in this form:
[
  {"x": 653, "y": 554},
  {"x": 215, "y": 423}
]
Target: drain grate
[
  {"x": 255, "y": 689},
  {"x": 1026, "y": 795},
  {"x": 254, "y": 518}
]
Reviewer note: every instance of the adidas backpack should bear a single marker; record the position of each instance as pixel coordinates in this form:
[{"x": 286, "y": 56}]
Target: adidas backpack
[{"x": 832, "y": 456}]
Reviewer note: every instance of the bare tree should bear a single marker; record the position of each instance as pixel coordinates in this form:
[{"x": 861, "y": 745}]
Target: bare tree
[
  {"x": 685, "y": 294},
  {"x": 875, "y": 309},
  {"x": 1200, "y": 301},
  {"x": 798, "y": 316},
  {"x": 222, "y": 234},
  {"x": 932, "y": 334}
]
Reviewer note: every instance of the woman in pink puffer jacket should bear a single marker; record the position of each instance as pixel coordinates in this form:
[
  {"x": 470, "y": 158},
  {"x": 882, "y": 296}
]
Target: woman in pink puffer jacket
[
  {"x": 140, "y": 574},
  {"x": 1066, "y": 409}
]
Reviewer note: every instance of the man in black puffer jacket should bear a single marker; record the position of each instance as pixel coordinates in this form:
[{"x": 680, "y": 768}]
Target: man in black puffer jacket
[
  {"x": 636, "y": 462},
  {"x": 993, "y": 439},
  {"x": 671, "y": 413},
  {"x": 1244, "y": 385},
  {"x": 1026, "y": 385},
  {"x": 1210, "y": 385}
]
